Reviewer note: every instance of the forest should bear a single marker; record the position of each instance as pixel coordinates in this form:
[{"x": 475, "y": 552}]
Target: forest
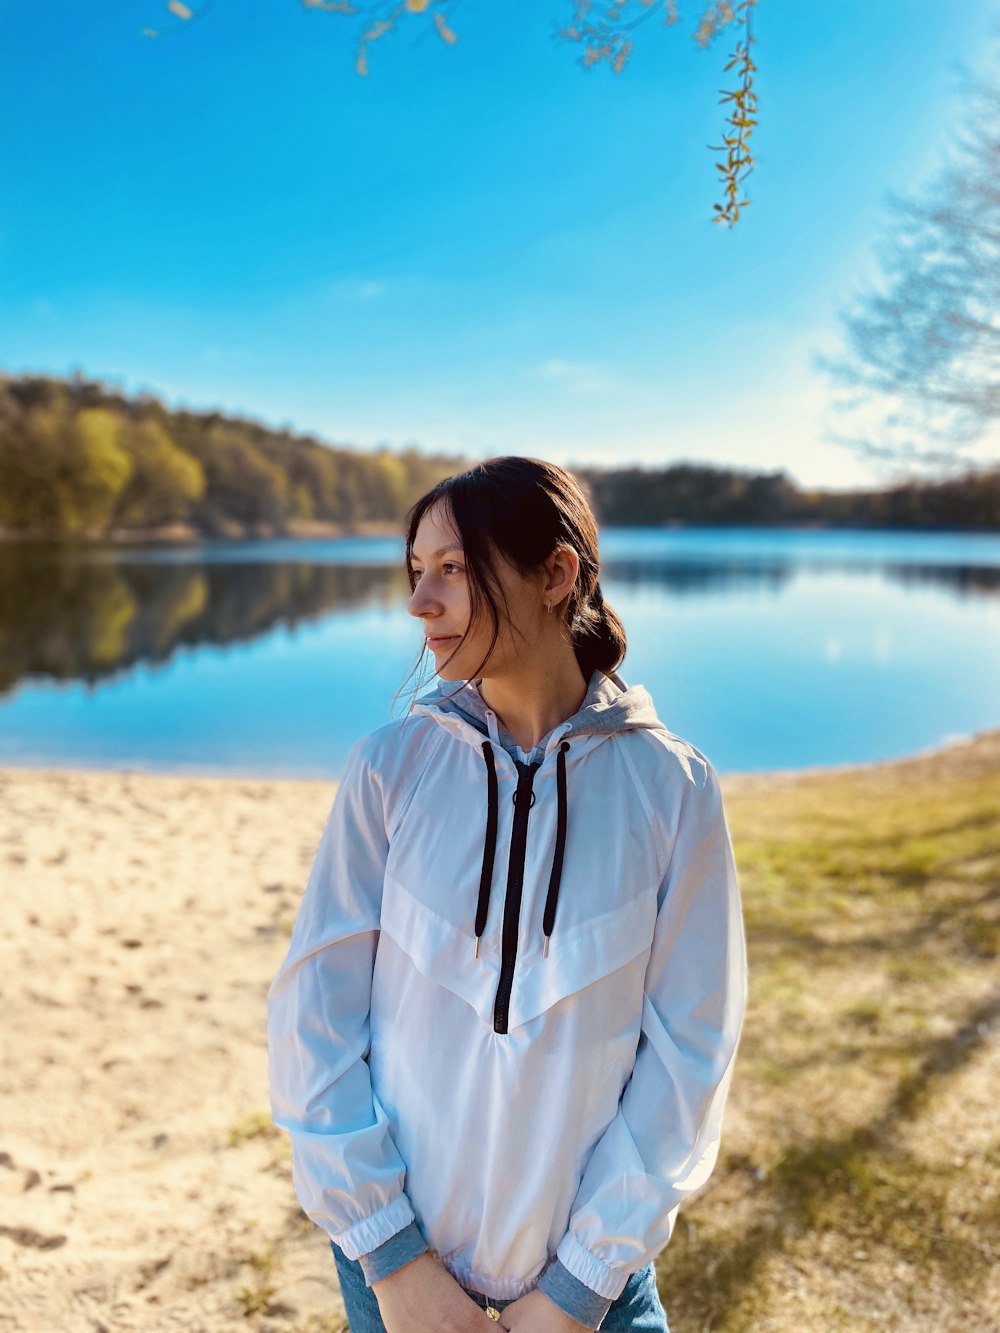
[{"x": 80, "y": 460}]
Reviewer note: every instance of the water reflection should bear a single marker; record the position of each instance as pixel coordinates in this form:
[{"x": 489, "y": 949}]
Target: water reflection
[
  {"x": 73, "y": 618},
  {"x": 79, "y": 616},
  {"x": 766, "y": 648},
  {"x": 743, "y": 573}
]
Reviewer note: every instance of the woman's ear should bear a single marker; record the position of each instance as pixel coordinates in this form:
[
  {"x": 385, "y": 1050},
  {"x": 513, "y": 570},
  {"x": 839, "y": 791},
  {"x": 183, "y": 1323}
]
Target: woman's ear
[{"x": 561, "y": 568}]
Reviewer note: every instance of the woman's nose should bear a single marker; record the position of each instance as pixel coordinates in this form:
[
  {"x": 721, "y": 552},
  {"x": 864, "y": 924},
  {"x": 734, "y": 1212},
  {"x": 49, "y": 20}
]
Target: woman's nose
[{"x": 419, "y": 601}]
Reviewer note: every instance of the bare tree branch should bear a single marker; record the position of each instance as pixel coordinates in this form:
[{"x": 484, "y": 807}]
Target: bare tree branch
[{"x": 927, "y": 345}]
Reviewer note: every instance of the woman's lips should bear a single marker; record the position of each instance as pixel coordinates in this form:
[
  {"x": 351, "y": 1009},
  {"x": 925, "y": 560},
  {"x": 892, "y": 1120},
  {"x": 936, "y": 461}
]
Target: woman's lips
[{"x": 438, "y": 640}]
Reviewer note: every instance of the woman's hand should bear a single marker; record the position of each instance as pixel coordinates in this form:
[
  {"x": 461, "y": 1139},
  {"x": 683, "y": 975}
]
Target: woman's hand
[
  {"x": 535, "y": 1313},
  {"x": 423, "y": 1297}
]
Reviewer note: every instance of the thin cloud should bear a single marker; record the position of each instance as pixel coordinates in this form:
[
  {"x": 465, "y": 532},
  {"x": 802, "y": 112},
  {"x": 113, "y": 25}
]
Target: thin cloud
[
  {"x": 356, "y": 289},
  {"x": 576, "y": 376}
]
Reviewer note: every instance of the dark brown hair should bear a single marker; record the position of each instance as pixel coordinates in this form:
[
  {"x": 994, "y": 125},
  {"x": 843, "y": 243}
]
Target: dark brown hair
[{"x": 524, "y": 508}]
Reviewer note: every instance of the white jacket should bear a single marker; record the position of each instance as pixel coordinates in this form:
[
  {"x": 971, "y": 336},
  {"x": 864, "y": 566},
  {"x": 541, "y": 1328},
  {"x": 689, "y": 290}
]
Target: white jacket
[{"x": 513, "y": 996}]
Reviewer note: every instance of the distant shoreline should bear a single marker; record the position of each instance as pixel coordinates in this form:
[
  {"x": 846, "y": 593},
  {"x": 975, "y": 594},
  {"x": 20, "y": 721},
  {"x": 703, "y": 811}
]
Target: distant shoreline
[
  {"x": 188, "y": 534},
  {"x": 181, "y": 534}
]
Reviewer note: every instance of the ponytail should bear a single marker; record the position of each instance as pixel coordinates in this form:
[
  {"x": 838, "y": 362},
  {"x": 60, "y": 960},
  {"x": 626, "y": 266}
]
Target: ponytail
[{"x": 598, "y": 634}]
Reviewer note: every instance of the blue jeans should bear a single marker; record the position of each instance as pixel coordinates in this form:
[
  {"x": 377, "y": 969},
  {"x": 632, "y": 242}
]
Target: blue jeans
[{"x": 637, "y": 1309}]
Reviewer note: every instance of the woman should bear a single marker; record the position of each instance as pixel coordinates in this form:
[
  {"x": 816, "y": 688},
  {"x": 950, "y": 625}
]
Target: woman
[{"x": 504, "y": 1033}]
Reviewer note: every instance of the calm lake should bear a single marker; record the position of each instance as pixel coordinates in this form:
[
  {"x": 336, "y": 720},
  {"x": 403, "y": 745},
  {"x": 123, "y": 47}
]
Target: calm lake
[{"x": 765, "y": 648}]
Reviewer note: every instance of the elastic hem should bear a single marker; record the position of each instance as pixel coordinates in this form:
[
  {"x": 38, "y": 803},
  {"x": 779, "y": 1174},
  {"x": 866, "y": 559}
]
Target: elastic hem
[
  {"x": 506, "y": 1289},
  {"x": 372, "y": 1231},
  {"x": 591, "y": 1271}
]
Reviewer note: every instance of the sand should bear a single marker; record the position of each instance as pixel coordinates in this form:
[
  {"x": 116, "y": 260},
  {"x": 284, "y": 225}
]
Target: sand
[{"x": 142, "y": 1186}]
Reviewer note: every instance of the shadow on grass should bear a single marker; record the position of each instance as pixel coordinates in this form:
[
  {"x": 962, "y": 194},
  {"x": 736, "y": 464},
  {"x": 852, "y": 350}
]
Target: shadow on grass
[
  {"x": 862, "y": 1183},
  {"x": 952, "y": 921}
]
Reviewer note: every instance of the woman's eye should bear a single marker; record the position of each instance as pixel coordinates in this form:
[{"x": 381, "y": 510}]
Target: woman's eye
[{"x": 447, "y": 565}]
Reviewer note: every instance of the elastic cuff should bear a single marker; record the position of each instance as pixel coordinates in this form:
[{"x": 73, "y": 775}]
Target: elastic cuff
[
  {"x": 370, "y": 1232},
  {"x": 574, "y": 1297},
  {"x": 591, "y": 1271},
  {"x": 393, "y": 1253}
]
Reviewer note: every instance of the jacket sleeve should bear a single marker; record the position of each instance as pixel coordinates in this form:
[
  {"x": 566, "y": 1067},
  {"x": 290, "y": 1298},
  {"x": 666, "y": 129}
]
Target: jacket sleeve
[
  {"x": 346, "y": 1169},
  {"x": 663, "y": 1143}
]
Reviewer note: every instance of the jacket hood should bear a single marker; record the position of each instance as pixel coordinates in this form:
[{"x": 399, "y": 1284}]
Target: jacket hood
[{"x": 610, "y": 705}]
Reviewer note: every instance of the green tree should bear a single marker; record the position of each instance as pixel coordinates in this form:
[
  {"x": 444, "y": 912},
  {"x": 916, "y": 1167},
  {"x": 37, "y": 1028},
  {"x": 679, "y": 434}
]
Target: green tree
[
  {"x": 105, "y": 466},
  {"x": 60, "y": 475},
  {"x": 243, "y": 483},
  {"x": 29, "y": 465},
  {"x": 386, "y": 485},
  {"x": 303, "y": 505},
  {"x": 166, "y": 481}
]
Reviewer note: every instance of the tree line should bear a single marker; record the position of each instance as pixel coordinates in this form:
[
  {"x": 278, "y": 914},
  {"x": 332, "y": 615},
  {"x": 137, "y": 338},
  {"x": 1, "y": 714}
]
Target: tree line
[
  {"x": 698, "y": 493},
  {"x": 81, "y": 460}
]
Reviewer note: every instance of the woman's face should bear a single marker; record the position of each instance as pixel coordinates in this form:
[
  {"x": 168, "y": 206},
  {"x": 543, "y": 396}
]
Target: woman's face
[{"x": 441, "y": 599}]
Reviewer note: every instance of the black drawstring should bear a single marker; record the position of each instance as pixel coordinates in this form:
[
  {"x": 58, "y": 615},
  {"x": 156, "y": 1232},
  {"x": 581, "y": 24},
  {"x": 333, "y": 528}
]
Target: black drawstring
[
  {"x": 489, "y": 846},
  {"x": 552, "y": 897}
]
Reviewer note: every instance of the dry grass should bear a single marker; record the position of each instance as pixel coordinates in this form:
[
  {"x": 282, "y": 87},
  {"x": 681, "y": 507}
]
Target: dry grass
[{"x": 859, "y": 1182}]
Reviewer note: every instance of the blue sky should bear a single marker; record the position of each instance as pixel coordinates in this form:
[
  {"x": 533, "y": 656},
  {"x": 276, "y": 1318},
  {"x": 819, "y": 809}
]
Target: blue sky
[{"x": 482, "y": 247}]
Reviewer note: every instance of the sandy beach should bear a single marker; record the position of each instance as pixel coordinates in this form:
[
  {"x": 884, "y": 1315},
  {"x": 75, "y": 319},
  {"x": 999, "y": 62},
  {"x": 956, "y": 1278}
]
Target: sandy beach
[{"x": 142, "y": 1186}]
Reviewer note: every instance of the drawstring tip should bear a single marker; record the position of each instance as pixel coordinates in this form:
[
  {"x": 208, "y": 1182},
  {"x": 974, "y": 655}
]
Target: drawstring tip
[
  {"x": 545, "y": 951},
  {"x": 477, "y": 946}
]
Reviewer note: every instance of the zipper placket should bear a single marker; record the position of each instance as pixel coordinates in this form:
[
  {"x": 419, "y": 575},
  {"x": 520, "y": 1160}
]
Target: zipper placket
[{"x": 524, "y": 799}]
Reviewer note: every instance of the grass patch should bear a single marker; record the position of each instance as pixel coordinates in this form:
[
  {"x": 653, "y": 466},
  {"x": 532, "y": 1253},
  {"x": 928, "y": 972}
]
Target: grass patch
[
  {"x": 255, "y": 1300},
  {"x": 258, "y": 1296},
  {"x": 873, "y": 925},
  {"x": 255, "y": 1125}
]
